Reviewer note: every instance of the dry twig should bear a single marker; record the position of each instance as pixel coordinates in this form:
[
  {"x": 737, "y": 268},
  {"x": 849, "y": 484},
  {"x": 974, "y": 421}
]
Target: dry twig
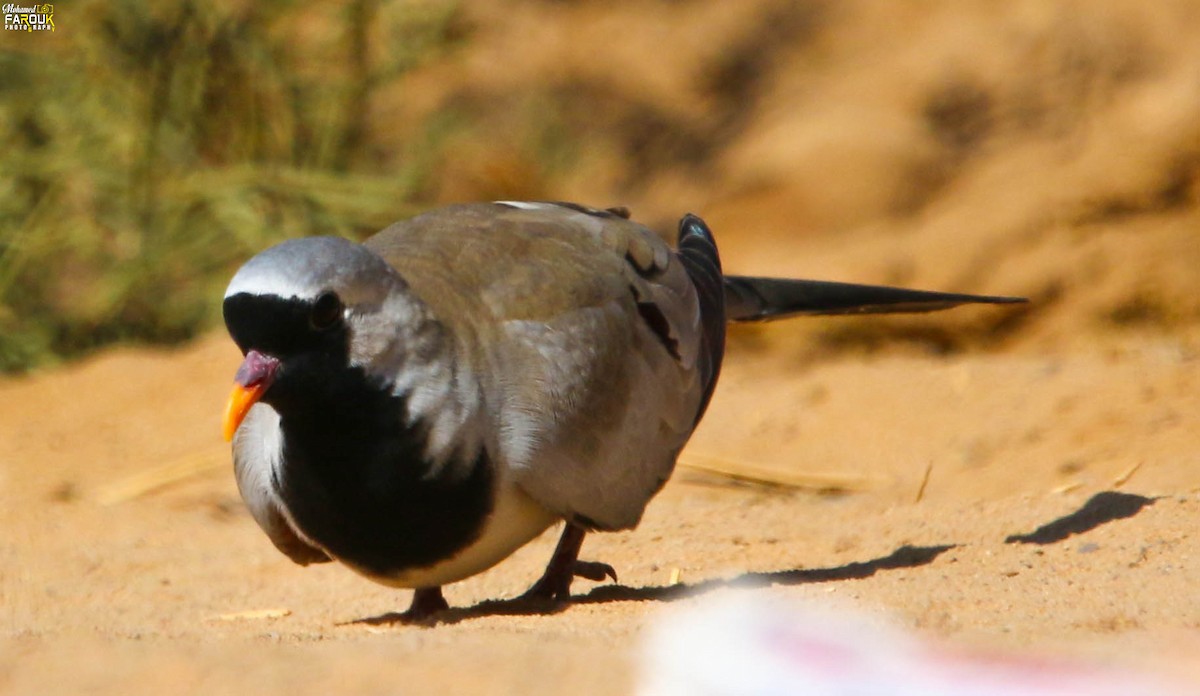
[
  {"x": 1124, "y": 478},
  {"x": 253, "y": 615},
  {"x": 749, "y": 473},
  {"x": 924, "y": 483},
  {"x": 159, "y": 477}
]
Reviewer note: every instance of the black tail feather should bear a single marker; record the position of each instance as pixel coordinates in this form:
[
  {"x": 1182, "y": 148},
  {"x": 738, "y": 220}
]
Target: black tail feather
[{"x": 761, "y": 299}]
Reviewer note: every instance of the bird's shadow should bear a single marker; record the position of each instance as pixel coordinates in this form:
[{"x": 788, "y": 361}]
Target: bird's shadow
[
  {"x": 903, "y": 557},
  {"x": 1102, "y": 508}
]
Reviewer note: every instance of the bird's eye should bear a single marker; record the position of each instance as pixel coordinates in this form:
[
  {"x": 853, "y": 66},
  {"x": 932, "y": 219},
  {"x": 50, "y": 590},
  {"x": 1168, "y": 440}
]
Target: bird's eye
[{"x": 326, "y": 311}]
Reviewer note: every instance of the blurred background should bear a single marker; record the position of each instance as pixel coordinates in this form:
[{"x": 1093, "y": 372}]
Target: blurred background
[{"x": 1044, "y": 148}]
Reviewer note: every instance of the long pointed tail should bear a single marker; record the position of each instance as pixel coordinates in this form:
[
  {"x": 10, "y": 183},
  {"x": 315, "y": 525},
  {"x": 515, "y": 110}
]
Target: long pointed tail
[
  {"x": 746, "y": 298},
  {"x": 761, "y": 299}
]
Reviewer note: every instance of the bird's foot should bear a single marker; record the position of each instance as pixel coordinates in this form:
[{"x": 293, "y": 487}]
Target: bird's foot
[{"x": 555, "y": 584}]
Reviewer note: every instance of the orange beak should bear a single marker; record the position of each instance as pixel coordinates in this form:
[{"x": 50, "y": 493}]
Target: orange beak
[
  {"x": 239, "y": 405},
  {"x": 253, "y": 378}
]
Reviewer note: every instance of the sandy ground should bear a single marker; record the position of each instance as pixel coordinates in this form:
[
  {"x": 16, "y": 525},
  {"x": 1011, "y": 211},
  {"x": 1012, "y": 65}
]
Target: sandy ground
[
  {"x": 1036, "y": 150},
  {"x": 112, "y": 588}
]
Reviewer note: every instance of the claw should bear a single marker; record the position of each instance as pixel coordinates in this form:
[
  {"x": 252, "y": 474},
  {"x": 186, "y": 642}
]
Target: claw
[{"x": 594, "y": 571}]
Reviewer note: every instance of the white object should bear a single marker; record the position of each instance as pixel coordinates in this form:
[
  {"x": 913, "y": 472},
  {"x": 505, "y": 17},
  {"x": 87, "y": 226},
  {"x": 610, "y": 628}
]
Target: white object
[{"x": 749, "y": 647}]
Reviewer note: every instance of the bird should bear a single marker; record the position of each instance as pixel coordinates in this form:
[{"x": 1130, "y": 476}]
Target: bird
[{"x": 420, "y": 405}]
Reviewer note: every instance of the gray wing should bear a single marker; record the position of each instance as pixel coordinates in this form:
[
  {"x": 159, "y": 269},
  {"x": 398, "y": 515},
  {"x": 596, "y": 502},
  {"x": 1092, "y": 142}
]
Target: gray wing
[
  {"x": 256, "y": 458},
  {"x": 588, "y": 334}
]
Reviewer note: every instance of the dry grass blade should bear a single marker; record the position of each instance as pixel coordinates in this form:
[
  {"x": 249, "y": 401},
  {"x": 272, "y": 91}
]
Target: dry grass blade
[
  {"x": 741, "y": 472},
  {"x": 1124, "y": 478},
  {"x": 253, "y": 615},
  {"x": 151, "y": 480},
  {"x": 924, "y": 483}
]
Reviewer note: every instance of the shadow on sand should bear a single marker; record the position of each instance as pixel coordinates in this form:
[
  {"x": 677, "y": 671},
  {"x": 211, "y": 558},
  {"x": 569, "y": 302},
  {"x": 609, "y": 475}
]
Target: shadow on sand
[
  {"x": 1101, "y": 508},
  {"x": 903, "y": 557}
]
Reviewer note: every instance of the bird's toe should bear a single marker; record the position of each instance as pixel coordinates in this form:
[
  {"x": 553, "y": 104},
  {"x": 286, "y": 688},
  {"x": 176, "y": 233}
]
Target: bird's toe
[{"x": 594, "y": 570}]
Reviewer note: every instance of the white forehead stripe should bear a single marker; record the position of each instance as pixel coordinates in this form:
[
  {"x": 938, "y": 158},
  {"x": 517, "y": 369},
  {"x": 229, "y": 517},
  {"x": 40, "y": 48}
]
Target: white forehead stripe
[{"x": 279, "y": 285}]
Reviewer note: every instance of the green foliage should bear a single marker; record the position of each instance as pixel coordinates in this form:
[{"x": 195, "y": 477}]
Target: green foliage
[{"x": 149, "y": 148}]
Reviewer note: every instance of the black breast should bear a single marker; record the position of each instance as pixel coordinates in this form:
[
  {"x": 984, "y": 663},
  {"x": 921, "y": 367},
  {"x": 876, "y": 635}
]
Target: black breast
[{"x": 355, "y": 479}]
